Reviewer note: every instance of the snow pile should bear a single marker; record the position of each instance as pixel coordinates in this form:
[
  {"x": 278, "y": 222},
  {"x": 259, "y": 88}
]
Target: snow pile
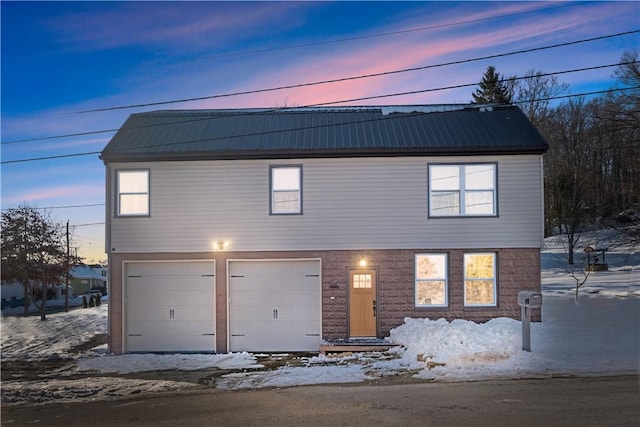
[
  {"x": 294, "y": 376},
  {"x": 29, "y": 338},
  {"x": 156, "y": 362},
  {"x": 432, "y": 343}
]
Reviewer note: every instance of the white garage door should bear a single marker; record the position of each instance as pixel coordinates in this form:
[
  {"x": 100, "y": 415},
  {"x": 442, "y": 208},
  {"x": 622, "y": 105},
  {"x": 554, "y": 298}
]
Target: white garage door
[
  {"x": 170, "y": 306},
  {"x": 275, "y": 305}
]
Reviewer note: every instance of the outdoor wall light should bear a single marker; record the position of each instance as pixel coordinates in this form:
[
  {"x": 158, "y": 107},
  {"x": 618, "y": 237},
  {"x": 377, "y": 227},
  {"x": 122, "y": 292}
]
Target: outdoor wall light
[
  {"x": 363, "y": 262},
  {"x": 221, "y": 244}
]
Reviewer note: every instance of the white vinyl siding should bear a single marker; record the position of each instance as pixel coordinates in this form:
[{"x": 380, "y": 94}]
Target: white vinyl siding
[{"x": 349, "y": 203}]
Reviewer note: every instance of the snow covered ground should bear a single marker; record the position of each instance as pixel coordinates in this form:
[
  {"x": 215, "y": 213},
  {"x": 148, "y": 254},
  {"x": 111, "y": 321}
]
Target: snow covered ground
[{"x": 599, "y": 334}]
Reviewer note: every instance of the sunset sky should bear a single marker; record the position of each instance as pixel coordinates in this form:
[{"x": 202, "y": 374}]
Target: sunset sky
[{"x": 60, "y": 59}]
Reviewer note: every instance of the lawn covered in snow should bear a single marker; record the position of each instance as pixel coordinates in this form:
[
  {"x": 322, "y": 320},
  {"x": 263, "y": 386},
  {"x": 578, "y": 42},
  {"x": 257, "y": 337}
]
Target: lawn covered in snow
[{"x": 599, "y": 334}]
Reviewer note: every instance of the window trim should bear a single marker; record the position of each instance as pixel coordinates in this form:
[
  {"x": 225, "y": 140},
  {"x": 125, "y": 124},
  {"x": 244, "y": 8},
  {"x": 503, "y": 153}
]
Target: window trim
[
  {"x": 494, "y": 279},
  {"x": 118, "y": 194},
  {"x": 271, "y": 190},
  {"x": 462, "y": 191},
  {"x": 445, "y": 279}
]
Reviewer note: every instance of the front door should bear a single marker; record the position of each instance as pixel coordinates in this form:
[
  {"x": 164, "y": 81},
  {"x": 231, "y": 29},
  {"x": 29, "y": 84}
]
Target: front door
[{"x": 362, "y": 303}]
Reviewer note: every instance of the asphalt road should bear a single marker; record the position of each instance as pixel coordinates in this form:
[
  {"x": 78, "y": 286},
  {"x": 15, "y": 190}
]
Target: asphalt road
[{"x": 600, "y": 401}]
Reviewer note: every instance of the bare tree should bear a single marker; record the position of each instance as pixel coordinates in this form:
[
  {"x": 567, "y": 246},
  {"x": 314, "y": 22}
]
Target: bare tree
[
  {"x": 567, "y": 172},
  {"x": 618, "y": 127},
  {"x": 534, "y": 93},
  {"x": 628, "y": 73},
  {"x": 579, "y": 273},
  {"x": 33, "y": 253}
]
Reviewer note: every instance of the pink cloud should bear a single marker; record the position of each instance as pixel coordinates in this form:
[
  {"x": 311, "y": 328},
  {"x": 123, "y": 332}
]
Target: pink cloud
[
  {"x": 32, "y": 196},
  {"x": 408, "y": 52}
]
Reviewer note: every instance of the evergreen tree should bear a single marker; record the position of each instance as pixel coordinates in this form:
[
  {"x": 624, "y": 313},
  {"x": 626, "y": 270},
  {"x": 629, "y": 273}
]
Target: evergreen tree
[{"x": 493, "y": 89}]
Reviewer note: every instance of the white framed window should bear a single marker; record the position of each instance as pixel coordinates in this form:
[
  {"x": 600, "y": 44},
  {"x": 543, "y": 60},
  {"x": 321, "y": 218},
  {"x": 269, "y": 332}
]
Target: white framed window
[
  {"x": 463, "y": 189},
  {"x": 431, "y": 276},
  {"x": 133, "y": 192},
  {"x": 480, "y": 283},
  {"x": 286, "y": 190}
]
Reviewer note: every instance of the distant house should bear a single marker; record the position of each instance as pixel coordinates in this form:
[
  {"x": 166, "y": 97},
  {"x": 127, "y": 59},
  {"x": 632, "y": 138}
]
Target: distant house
[
  {"x": 88, "y": 278},
  {"x": 262, "y": 230}
]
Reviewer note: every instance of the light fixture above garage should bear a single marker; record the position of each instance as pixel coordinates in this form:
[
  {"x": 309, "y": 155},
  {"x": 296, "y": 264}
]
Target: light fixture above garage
[{"x": 221, "y": 245}]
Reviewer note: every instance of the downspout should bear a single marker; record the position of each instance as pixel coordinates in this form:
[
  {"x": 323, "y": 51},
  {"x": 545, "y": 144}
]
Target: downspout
[
  {"x": 107, "y": 248},
  {"x": 542, "y": 201}
]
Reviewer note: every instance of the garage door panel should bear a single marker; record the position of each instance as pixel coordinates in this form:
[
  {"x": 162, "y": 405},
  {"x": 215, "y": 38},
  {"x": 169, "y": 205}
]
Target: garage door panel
[
  {"x": 246, "y": 297},
  {"x": 170, "y": 306},
  {"x": 136, "y": 297},
  {"x": 275, "y": 305},
  {"x": 164, "y": 268},
  {"x": 275, "y": 342},
  {"x": 276, "y": 268},
  {"x": 249, "y": 326},
  {"x": 174, "y": 298},
  {"x": 160, "y": 342},
  {"x": 253, "y": 313},
  {"x": 146, "y": 327},
  {"x": 148, "y": 283},
  {"x": 298, "y": 313}
]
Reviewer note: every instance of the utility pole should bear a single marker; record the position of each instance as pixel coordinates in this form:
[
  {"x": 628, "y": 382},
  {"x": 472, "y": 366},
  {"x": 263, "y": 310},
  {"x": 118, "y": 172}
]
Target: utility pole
[{"x": 66, "y": 290}]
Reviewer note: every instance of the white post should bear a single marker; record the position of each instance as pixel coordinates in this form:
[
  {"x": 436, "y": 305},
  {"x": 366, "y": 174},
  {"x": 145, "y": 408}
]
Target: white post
[{"x": 526, "y": 328}]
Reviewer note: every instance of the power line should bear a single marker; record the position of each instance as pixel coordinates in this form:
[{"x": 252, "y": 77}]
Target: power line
[
  {"x": 389, "y": 117},
  {"x": 58, "y": 136},
  {"x": 61, "y": 207},
  {"x": 363, "y": 76},
  {"x": 335, "y": 124},
  {"x": 413, "y": 92},
  {"x": 578, "y": 95},
  {"x": 62, "y": 156},
  {"x": 325, "y": 103}
]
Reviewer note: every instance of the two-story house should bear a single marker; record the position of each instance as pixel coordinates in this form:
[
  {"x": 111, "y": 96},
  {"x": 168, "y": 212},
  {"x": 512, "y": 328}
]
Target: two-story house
[{"x": 271, "y": 230}]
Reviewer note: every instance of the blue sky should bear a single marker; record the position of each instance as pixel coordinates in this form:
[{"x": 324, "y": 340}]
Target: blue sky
[{"x": 59, "y": 58}]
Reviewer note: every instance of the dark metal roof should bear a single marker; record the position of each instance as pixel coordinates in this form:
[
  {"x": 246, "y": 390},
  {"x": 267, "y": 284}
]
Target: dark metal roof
[{"x": 324, "y": 132}]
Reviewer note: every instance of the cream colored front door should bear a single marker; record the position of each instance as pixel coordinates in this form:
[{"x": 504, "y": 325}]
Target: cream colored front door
[{"x": 362, "y": 303}]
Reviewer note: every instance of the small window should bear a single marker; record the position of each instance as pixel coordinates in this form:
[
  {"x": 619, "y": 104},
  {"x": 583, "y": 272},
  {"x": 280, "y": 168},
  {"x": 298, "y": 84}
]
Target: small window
[
  {"x": 133, "y": 193},
  {"x": 362, "y": 281},
  {"x": 431, "y": 280},
  {"x": 480, "y": 280},
  {"x": 286, "y": 190},
  {"x": 462, "y": 190}
]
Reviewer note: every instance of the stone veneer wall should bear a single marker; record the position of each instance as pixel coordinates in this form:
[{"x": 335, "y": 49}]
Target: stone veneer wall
[{"x": 518, "y": 269}]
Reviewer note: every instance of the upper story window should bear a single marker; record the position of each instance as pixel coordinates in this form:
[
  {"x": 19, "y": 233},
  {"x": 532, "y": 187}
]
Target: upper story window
[
  {"x": 431, "y": 280},
  {"x": 286, "y": 190},
  {"x": 463, "y": 190},
  {"x": 133, "y": 192}
]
